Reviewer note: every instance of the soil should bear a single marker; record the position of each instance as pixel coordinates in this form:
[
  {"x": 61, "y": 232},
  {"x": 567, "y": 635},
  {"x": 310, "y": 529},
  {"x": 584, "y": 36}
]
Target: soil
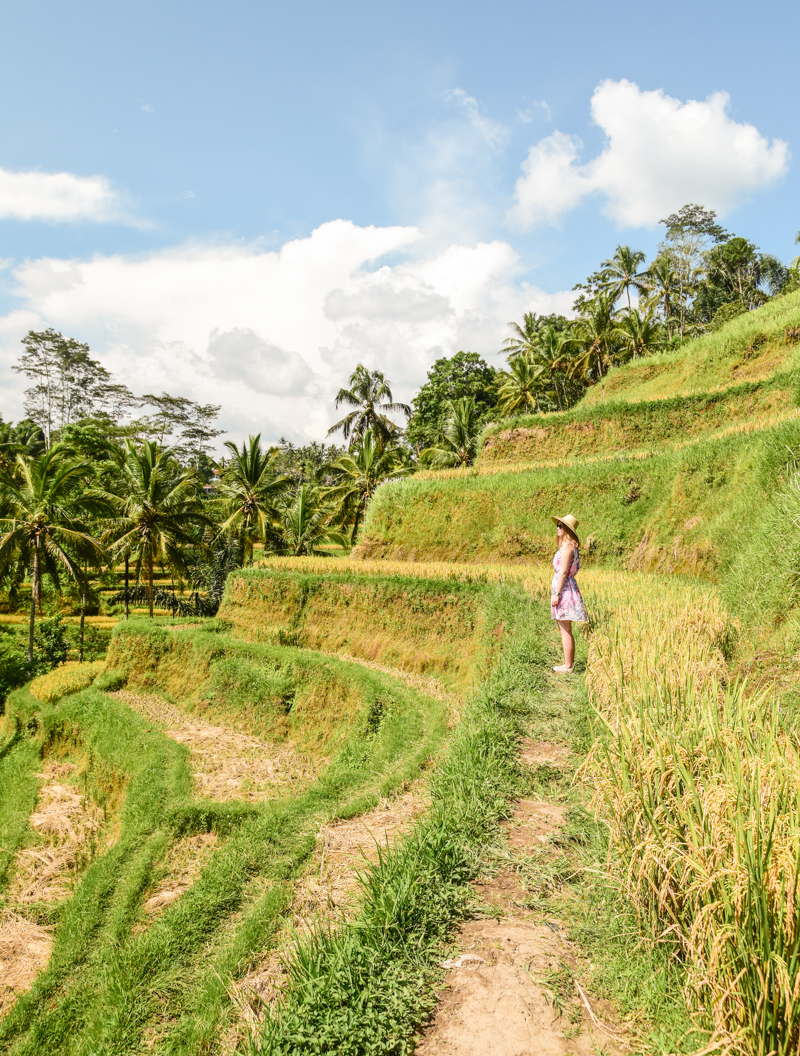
[
  {"x": 518, "y": 986},
  {"x": 226, "y": 764},
  {"x": 67, "y": 826}
]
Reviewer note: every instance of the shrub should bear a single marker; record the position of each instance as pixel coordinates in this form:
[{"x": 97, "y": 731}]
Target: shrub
[{"x": 13, "y": 666}]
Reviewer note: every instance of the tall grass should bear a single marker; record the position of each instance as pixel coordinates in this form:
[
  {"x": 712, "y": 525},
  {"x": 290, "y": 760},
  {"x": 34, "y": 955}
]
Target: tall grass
[{"x": 699, "y": 782}]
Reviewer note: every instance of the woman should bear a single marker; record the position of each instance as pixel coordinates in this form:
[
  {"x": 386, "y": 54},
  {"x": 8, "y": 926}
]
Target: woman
[{"x": 566, "y": 603}]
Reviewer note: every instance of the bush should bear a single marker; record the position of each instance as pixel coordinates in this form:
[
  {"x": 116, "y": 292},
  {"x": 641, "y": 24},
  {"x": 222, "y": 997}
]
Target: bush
[{"x": 49, "y": 644}]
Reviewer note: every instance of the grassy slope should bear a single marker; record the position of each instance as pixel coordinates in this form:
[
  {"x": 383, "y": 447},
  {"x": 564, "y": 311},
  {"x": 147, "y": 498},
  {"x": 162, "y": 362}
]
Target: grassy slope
[
  {"x": 744, "y": 374},
  {"x": 111, "y": 982},
  {"x": 428, "y": 626},
  {"x": 682, "y": 506},
  {"x": 733, "y": 354},
  {"x": 677, "y": 511},
  {"x": 618, "y": 425}
]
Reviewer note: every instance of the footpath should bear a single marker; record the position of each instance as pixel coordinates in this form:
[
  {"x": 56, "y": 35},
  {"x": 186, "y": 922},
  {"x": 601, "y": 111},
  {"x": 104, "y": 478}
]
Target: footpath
[{"x": 518, "y": 985}]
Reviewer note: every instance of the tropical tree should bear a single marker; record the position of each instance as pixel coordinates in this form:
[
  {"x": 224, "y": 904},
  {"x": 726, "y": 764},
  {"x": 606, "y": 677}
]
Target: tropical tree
[
  {"x": 527, "y": 337},
  {"x": 304, "y": 525},
  {"x": 690, "y": 234},
  {"x": 594, "y": 337},
  {"x": 370, "y": 396},
  {"x": 663, "y": 290},
  {"x": 458, "y": 445},
  {"x": 159, "y": 513},
  {"x": 356, "y": 476},
  {"x": 44, "y": 515},
  {"x": 450, "y": 378},
  {"x": 621, "y": 274},
  {"x": 248, "y": 492},
  {"x": 554, "y": 353},
  {"x": 638, "y": 335},
  {"x": 521, "y": 385}
]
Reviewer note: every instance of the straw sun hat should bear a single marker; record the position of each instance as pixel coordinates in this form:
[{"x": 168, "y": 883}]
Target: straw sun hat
[{"x": 569, "y": 522}]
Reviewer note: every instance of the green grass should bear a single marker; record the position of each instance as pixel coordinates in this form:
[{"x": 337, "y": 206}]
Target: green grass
[
  {"x": 683, "y": 511},
  {"x": 111, "y": 982},
  {"x": 619, "y": 425},
  {"x": 748, "y": 348},
  {"x": 363, "y": 988}
]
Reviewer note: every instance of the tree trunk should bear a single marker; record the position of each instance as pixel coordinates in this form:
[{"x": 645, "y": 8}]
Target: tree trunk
[
  {"x": 34, "y": 591},
  {"x": 127, "y": 568},
  {"x": 80, "y": 633},
  {"x": 150, "y": 583}
]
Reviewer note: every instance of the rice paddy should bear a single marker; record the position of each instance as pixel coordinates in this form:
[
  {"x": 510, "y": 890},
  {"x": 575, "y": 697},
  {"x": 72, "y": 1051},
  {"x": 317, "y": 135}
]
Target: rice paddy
[{"x": 264, "y": 833}]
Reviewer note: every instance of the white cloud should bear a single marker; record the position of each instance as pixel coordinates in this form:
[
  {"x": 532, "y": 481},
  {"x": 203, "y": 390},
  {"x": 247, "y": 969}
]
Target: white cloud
[
  {"x": 273, "y": 335},
  {"x": 495, "y": 133},
  {"x": 660, "y": 153},
  {"x": 56, "y": 196}
]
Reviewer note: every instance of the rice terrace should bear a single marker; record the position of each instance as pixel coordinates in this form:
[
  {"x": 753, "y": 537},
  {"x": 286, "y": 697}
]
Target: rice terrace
[{"x": 285, "y": 765}]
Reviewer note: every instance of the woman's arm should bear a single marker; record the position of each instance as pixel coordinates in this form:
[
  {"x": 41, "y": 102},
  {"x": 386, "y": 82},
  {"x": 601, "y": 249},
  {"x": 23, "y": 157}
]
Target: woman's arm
[{"x": 567, "y": 550}]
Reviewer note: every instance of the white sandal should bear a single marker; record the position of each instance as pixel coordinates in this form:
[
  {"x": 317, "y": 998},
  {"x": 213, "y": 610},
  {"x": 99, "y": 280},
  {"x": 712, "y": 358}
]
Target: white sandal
[{"x": 562, "y": 669}]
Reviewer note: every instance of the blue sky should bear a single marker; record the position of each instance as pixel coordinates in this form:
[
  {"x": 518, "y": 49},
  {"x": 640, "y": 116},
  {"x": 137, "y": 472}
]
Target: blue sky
[{"x": 253, "y": 197}]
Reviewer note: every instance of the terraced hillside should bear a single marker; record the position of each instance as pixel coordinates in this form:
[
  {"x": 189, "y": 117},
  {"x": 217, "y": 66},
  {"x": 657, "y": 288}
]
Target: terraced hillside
[
  {"x": 359, "y": 813},
  {"x": 663, "y": 463},
  {"x": 198, "y": 769}
]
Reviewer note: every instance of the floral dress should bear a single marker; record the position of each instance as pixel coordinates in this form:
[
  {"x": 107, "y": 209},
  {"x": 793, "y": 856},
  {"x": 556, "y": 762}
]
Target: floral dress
[{"x": 571, "y": 606}]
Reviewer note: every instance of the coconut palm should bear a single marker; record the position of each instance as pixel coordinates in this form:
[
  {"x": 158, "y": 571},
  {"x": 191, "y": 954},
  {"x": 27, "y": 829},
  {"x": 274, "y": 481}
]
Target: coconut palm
[
  {"x": 554, "y": 354},
  {"x": 459, "y": 443},
  {"x": 525, "y": 338},
  {"x": 639, "y": 335},
  {"x": 304, "y": 525},
  {"x": 663, "y": 289},
  {"x": 522, "y": 385},
  {"x": 621, "y": 274},
  {"x": 594, "y": 336},
  {"x": 357, "y": 474},
  {"x": 371, "y": 397},
  {"x": 45, "y": 511},
  {"x": 248, "y": 492},
  {"x": 159, "y": 513}
]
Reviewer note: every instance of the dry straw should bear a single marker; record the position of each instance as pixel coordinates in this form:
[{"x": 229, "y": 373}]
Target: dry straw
[{"x": 698, "y": 781}]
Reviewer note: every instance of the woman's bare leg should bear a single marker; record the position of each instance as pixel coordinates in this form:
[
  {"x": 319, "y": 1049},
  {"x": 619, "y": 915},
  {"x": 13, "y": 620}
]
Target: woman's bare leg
[{"x": 565, "y": 626}]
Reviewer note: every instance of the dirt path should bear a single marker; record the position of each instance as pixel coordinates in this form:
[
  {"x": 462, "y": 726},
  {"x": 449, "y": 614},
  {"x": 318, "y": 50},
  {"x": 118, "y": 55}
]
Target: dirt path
[
  {"x": 519, "y": 986},
  {"x": 226, "y": 764},
  {"x": 67, "y": 826}
]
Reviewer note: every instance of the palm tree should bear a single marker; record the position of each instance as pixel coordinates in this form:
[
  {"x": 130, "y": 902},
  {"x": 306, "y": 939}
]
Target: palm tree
[
  {"x": 159, "y": 512},
  {"x": 304, "y": 525},
  {"x": 248, "y": 490},
  {"x": 554, "y": 356},
  {"x": 639, "y": 335},
  {"x": 43, "y": 527},
  {"x": 357, "y": 474},
  {"x": 522, "y": 385},
  {"x": 459, "y": 443},
  {"x": 371, "y": 396},
  {"x": 621, "y": 274},
  {"x": 664, "y": 289},
  {"x": 525, "y": 338},
  {"x": 594, "y": 337}
]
